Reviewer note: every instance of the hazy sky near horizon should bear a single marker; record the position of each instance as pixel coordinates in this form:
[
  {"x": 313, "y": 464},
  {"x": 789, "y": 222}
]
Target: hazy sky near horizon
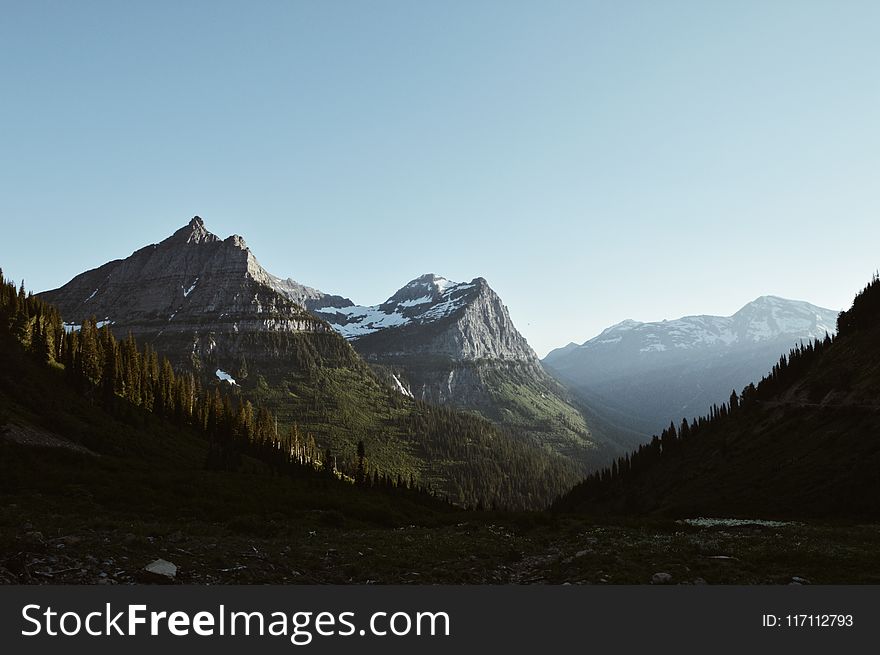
[{"x": 595, "y": 161}]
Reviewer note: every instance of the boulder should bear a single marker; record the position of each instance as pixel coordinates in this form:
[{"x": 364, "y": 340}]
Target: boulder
[
  {"x": 162, "y": 569},
  {"x": 661, "y": 578}
]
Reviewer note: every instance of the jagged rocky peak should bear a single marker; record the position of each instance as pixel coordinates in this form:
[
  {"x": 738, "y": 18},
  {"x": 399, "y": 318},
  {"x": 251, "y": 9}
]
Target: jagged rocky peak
[
  {"x": 430, "y": 288},
  {"x": 432, "y": 315},
  {"x": 193, "y": 232},
  {"x": 426, "y": 288},
  {"x": 238, "y": 242},
  {"x": 192, "y": 281}
]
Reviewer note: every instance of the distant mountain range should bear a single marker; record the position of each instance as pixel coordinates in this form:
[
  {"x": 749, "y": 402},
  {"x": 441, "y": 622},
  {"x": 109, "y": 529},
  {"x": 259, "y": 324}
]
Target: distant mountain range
[
  {"x": 801, "y": 443},
  {"x": 640, "y": 376}
]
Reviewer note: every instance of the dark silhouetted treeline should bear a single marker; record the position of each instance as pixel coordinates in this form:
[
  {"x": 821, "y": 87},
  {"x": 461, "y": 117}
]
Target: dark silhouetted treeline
[{"x": 673, "y": 442}]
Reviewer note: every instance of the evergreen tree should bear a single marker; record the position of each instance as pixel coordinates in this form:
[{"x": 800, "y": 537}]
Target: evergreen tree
[{"x": 361, "y": 473}]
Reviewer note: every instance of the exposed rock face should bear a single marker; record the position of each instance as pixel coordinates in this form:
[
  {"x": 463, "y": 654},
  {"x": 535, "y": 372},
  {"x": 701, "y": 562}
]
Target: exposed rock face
[
  {"x": 435, "y": 317},
  {"x": 455, "y": 344},
  {"x": 192, "y": 294},
  {"x": 301, "y": 294},
  {"x": 647, "y": 374}
]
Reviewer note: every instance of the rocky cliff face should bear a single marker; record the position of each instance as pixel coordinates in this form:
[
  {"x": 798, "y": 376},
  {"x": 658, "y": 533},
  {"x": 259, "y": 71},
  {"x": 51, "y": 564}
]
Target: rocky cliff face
[
  {"x": 431, "y": 316},
  {"x": 455, "y": 344},
  {"x": 193, "y": 294}
]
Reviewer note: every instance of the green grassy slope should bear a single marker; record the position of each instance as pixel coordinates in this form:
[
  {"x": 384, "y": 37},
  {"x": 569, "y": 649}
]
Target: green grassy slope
[{"x": 143, "y": 465}]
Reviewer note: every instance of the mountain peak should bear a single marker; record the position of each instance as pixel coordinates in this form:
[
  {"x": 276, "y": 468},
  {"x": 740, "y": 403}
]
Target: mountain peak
[
  {"x": 432, "y": 281},
  {"x": 194, "y": 232},
  {"x": 237, "y": 241},
  {"x": 764, "y": 301},
  {"x": 476, "y": 324},
  {"x": 426, "y": 278},
  {"x": 777, "y": 304},
  {"x": 437, "y": 285},
  {"x": 171, "y": 291},
  {"x": 425, "y": 288}
]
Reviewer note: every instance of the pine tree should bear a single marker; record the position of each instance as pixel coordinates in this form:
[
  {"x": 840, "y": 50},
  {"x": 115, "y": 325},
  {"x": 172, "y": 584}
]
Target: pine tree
[{"x": 361, "y": 473}]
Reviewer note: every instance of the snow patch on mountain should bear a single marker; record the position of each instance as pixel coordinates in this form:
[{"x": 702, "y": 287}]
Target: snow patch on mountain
[
  {"x": 186, "y": 292},
  {"x": 225, "y": 377},
  {"x": 359, "y": 321},
  {"x": 417, "y": 301},
  {"x": 426, "y": 299},
  {"x": 402, "y": 389}
]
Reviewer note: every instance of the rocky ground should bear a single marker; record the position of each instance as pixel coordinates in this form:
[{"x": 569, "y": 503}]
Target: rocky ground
[{"x": 484, "y": 549}]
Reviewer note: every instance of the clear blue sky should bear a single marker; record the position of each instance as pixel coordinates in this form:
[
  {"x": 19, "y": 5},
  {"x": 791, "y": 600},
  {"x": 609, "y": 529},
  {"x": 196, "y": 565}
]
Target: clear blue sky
[{"x": 593, "y": 161}]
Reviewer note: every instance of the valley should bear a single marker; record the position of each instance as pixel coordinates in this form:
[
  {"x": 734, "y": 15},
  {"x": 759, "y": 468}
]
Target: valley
[
  {"x": 48, "y": 540},
  {"x": 187, "y": 409}
]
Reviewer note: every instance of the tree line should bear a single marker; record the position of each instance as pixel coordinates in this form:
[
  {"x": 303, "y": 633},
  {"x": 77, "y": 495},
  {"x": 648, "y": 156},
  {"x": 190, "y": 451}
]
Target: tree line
[
  {"x": 673, "y": 440},
  {"x": 121, "y": 374}
]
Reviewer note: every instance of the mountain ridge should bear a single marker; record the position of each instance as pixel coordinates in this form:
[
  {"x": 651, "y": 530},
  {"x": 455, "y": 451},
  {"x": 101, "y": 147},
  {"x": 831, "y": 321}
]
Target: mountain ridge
[
  {"x": 644, "y": 374},
  {"x": 209, "y": 305},
  {"x": 454, "y": 343},
  {"x": 801, "y": 443},
  {"x": 729, "y": 330}
]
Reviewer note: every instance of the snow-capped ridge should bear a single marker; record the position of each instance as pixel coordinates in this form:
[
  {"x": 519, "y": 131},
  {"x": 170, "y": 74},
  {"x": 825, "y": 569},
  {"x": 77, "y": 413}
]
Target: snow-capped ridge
[
  {"x": 432, "y": 315},
  {"x": 766, "y": 318}
]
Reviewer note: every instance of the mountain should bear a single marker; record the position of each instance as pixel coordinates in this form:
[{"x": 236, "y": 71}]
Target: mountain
[
  {"x": 198, "y": 297},
  {"x": 209, "y": 306},
  {"x": 433, "y": 316},
  {"x": 803, "y": 443},
  {"x": 454, "y": 343},
  {"x": 642, "y": 375}
]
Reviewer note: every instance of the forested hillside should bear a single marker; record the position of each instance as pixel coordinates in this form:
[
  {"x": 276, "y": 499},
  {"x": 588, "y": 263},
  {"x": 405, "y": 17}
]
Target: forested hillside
[{"x": 804, "y": 442}]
